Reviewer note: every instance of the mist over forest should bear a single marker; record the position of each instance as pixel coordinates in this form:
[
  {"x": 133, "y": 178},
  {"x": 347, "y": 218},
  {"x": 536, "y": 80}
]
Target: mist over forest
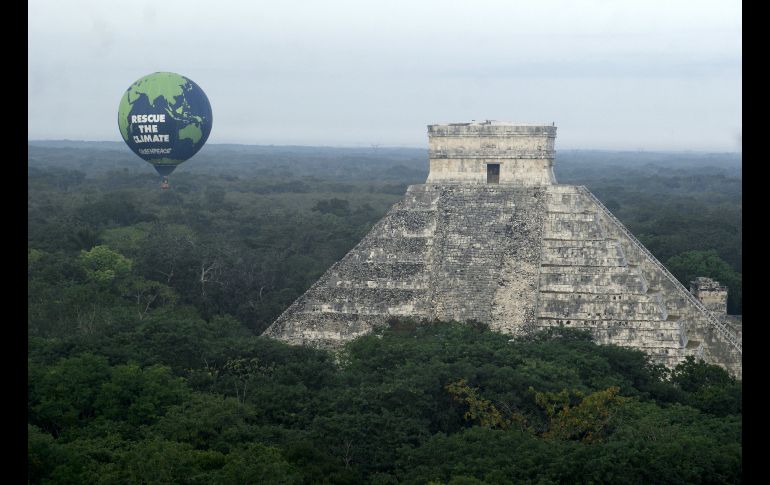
[{"x": 362, "y": 162}]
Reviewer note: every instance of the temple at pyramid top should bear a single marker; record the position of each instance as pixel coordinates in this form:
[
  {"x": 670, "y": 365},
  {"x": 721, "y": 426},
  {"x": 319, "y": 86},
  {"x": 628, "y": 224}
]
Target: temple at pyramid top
[{"x": 491, "y": 152}]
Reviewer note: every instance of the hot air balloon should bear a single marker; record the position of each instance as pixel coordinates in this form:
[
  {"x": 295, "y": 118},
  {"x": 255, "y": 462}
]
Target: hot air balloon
[{"x": 165, "y": 118}]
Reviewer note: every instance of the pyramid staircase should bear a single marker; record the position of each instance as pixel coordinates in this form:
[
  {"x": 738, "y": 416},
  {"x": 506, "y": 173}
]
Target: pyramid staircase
[{"x": 596, "y": 275}]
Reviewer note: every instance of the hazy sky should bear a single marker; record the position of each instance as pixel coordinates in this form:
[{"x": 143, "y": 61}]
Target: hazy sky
[{"x": 611, "y": 74}]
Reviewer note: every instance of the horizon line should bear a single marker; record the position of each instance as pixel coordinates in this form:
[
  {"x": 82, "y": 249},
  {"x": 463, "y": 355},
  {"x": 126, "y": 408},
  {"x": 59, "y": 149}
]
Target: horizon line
[{"x": 385, "y": 146}]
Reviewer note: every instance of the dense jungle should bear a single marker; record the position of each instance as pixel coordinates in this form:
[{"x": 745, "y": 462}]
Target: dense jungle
[{"x": 145, "y": 307}]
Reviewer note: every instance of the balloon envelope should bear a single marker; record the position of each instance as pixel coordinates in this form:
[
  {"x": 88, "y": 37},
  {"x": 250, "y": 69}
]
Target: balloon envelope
[{"x": 165, "y": 118}]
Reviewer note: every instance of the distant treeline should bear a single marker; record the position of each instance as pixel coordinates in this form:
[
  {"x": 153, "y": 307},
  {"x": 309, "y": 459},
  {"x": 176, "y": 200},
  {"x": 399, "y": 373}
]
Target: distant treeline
[{"x": 406, "y": 164}]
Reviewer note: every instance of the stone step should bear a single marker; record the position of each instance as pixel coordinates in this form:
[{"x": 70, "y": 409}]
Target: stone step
[
  {"x": 582, "y": 253},
  {"x": 367, "y": 301},
  {"x": 608, "y": 244},
  {"x": 406, "y": 223},
  {"x": 694, "y": 348},
  {"x": 590, "y": 279},
  {"x": 586, "y": 216},
  {"x": 639, "y": 336},
  {"x": 410, "y": 275},
  {"x": 572, "y": 230},
  {"x": 638, "y": 325},
  {"x": 568, "y": 202},
  {"x": 414, "y": 284},
  {"x": 326, "y": 330},
  {"x": 640, "y": 340},
  {"x": 559, "y": 189},
  {"x": 418, "y": 197},
  {"x": 391, "y": 250},
  {"x": 366, "y": 270},
  {"x": 579, "y": 306}
]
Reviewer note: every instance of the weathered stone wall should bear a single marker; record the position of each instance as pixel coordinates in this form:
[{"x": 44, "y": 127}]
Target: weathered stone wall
[
  {"x": 514, "y": 305},
  {"x": 480, "y": 229},
  {"x": 460, "y": 152},
  {"x": 385, "y": 275},
  {"x": 444, "y": 252}
]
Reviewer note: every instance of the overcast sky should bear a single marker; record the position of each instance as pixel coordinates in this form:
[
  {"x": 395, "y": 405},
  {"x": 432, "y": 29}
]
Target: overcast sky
[{"x": 653, "y": 75}]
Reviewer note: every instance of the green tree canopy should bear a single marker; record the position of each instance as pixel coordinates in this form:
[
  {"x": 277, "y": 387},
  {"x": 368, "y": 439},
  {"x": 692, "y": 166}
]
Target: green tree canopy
[{"x": 104, "y": 266}]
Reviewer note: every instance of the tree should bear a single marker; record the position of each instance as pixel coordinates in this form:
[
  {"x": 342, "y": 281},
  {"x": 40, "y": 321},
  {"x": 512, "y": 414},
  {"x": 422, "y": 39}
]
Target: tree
[
  {"x": 42, "y": 454},
  {"x": 481, "y": 409},
  {"x": 708, "y": 387},
  {"x": 257, "y": 463},
  {"x": 587, "y": 420},
  {"x": 159, "y": 461},
  {"x": 138, "y": 395},
  {"x": 105, "y": 267},
  {"x": 64, "y": 395},
  {"x": 147, "y": 293},
  {"x": 242, "y": 372},
  {"x": 83, "y": 237}
]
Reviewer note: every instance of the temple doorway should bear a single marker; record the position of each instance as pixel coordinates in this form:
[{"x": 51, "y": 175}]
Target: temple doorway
[{"x": 493, "y": 173}]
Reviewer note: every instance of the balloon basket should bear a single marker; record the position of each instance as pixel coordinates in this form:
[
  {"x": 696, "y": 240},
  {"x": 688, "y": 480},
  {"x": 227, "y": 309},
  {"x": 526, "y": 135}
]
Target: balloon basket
[{"x": 164, "y": 184}]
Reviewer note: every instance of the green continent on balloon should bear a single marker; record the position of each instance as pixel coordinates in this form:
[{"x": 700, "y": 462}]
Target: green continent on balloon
[
  {"x": 166, "y": 85},
  {"x": 165, "y": 119},
  {"x": 191, "y": 132},
  {"x": 123, "y": 110}
]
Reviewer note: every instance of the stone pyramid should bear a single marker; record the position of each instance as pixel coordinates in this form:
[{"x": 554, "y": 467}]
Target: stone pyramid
[{"x": 492, "y": 237}]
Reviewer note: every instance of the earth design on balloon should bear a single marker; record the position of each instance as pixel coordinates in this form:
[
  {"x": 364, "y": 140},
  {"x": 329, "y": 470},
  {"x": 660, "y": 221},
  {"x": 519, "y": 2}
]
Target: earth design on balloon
[{"x": 165, "y": 118}]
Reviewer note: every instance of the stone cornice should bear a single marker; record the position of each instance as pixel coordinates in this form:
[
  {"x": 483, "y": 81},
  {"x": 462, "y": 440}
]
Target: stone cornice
[
  {"x": 491, "y": 153},
  {"x": 491, "y": 130}
]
